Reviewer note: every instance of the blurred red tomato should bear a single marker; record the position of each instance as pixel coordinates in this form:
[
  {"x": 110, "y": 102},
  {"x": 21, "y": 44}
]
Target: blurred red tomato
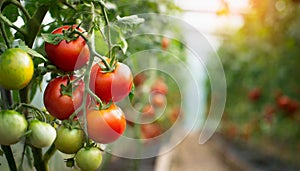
[
  {"x": 165, "y": 42},
  {"x": 254, "y": 94},
  {"x": 139, "y": 79},
  {"x": 150, "y": 130},
  {"x": 158, "y": 100},
  {"x": 159, "y": 86}
]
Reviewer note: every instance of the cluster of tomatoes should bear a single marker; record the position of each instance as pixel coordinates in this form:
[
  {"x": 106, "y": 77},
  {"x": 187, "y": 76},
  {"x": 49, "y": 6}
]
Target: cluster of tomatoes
[
  {"x": 73, "y": 105},
  {"x": 155, "y": 117},
  {"x": 284, "y": 103}
]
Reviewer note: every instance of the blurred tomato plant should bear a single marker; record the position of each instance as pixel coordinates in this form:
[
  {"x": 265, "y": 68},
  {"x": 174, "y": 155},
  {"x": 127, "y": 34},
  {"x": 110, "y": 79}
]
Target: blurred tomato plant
[{"x": 261, "y": 63}]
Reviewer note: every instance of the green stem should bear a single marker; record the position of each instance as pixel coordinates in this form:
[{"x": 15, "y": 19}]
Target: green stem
[
  {"x": 107, "y": 66},
  {"x": 34, "y": 24},
  {"x": 9, "y": 157},
  {"x": 49, "y": 153},
  {"x": 38, "y": 161},
  {"x": 96, "y": 97},
  {"x": 4, "y": 35},
  {"x": 10, "y": 24},
  {"x": 108, "y": 30}
]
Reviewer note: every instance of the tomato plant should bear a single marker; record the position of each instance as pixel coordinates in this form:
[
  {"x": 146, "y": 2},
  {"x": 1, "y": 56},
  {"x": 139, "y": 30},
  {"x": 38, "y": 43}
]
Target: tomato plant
[
  {"x": 42, "y": 134},
  {"x": 13, "y": 126},
  {"x": 114, "y": 85},
  {"x": 69, "y": 140},
  {"x": 16, "y": 69},
  {"x": 88, "y": 158},
  {"x": 61, "y": 45},
  {"x": 71, "y": 53},
  {"x": 106, "y": 125},
  {"x": 55, "y": 95}
]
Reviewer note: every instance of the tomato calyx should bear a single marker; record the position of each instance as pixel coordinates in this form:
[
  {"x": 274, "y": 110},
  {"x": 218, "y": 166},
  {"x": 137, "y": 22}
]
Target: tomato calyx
[
  {"x": 70, "y": 162},
  {"x": 70, "y": 34},
  {"x": 68, "y": 89},
  {"x": 71, "y": 124}
]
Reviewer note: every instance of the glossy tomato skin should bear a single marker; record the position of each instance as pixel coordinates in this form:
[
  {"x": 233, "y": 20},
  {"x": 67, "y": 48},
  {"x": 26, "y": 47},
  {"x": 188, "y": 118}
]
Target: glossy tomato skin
[
  {"x": 62, "y": 106},
  {"x": 42, "y": 134},
  {"x": 88, "y": 158},
  {"x": 106, "y": 125},
  {"x": 16, "y": 69},
  {"x": 68, "y": 56},
  {"x": 114, "y": 85},
  {"x": 13, "y": 126},
  {"x": 69, "y": 141}
]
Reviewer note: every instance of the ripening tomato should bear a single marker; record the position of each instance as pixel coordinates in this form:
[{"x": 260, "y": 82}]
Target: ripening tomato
[
  {"x": 16, "y": 69},
  {"x": 68, "y": 56},
  {"x": 13, "y": 126},
  {"x": 42, "y": 134},
  {"x": 88, "y": 158},
  {"x": 61, "y": 105},
  {"x": 114, "y": 85},
  {"x": 106, "y": 125},
  {"x": 69, "y": 140}
]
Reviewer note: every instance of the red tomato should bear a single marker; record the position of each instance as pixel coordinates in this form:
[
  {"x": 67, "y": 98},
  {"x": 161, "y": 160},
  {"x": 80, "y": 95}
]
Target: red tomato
[
  {"x": 175, "y": 114},
  {"x": 254, "y": 94},
  {"x": 151, "y": 130},
  {"x": 159, "y": 86},
  {"x": 59, "y": 105},
  {"x": 114, "y": 85},
  {"x": 68, "y": 56},
  {"x": 148, "y": 111},
  {"x": 107, "y": 125},
  {"x": 139, "y": 79},
  {"x": 283, "y": 101},
  {"x": 158, "y": 100},
  {"x": 165, "y": 42}
]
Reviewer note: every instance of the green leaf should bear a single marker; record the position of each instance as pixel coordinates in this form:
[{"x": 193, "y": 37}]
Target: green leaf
[
  {"x": 2, "y": 48},
  {"x": 32, "y": 52},
  {"x": 53, "y": 38},
  {"x": 129, "y": 22},
  {"x": 11, "y": 13},
  {"x": 131, "y": 93}
]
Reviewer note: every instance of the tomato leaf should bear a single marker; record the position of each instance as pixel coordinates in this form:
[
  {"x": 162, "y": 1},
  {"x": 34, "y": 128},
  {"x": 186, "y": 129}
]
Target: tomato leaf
[
  {"x": 128, "y": 22},
  {"x": 131, "y": 93},
  {"x": 3, "y": 47},
  {"x": 32, "y": 52},
  {"x": 11, "y": 13},
  {"x": 53, "y": 38}
]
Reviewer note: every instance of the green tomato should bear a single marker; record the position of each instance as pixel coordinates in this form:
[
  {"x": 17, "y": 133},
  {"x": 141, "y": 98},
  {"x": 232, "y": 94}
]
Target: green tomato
[
  {"x": 42, "y": 134},
  {"x": 16, "y": 69},
  {"x": 13, "y": 126},
  {"x": 88, "y": 159},
  {"x": 69, "y": 141}
]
